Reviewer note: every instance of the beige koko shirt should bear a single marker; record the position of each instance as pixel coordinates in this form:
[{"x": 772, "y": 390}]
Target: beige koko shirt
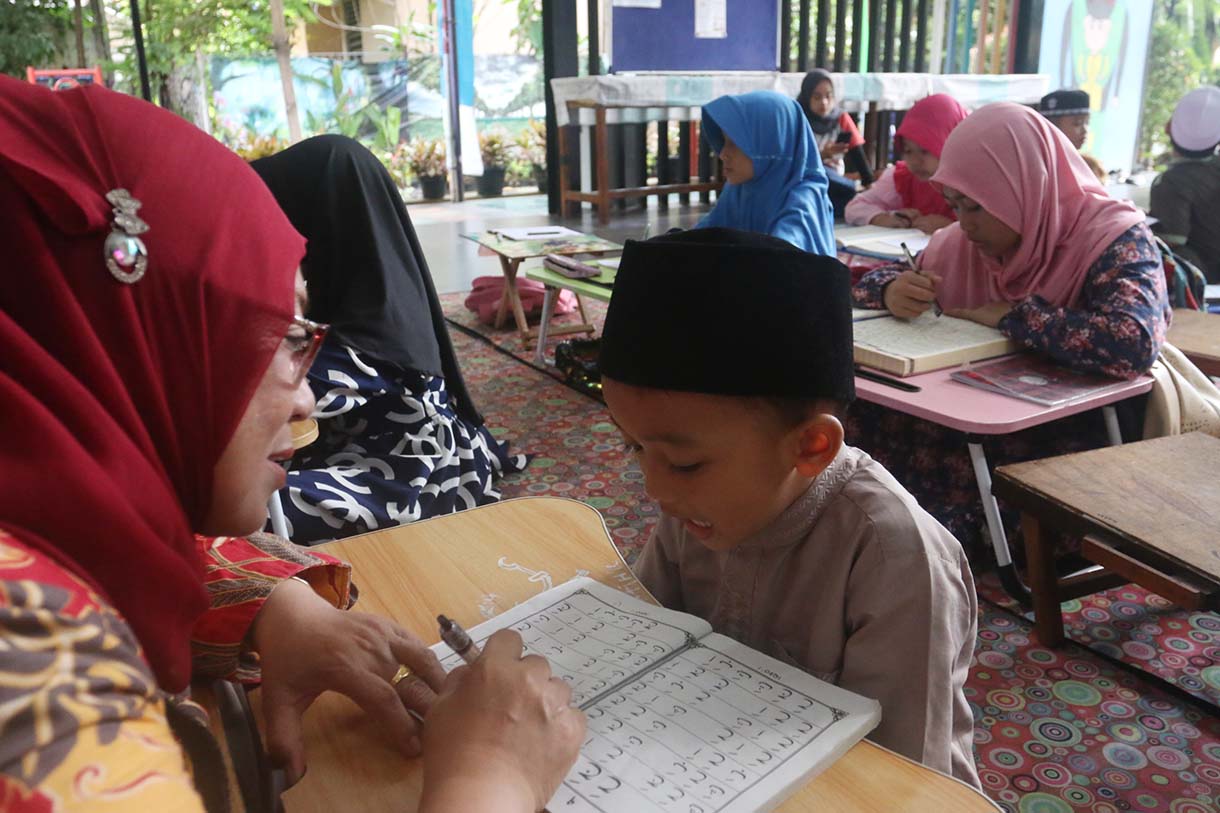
[{"x": 856, "y": 584}]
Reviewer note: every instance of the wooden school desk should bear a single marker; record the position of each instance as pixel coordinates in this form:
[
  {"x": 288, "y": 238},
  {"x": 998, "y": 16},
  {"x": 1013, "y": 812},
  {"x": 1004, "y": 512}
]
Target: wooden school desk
[
  {"x": 513, "y": 252},
  {"x": 481, "y": 562},
  {"x": 1197, "y": 335},
  {"x": 1147, "y": 512},
  {"x": 977, "y": 413}
]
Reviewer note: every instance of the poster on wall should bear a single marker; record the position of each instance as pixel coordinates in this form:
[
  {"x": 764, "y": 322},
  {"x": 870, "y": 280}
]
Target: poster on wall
[{"x": 1101, "y": 47}]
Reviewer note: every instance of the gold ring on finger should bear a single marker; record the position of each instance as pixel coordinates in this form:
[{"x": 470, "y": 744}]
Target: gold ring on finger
[{"x": 402, "y": 674}]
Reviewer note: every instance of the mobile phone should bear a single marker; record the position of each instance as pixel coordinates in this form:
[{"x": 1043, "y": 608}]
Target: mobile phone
[{"x": 844, "y": 137}]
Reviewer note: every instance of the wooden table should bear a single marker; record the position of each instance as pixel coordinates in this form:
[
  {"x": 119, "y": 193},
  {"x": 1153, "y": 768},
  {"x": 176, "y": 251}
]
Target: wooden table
[
  {"x": 1197, "y": 335},
  {"x": 479, "y": 563},
  {"x": 513, "y": 252},
  {"x": 1148, "y": 513}
]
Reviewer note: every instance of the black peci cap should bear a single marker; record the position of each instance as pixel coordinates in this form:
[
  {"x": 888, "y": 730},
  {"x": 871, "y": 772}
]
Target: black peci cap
[{"x": 730, "y": 312}]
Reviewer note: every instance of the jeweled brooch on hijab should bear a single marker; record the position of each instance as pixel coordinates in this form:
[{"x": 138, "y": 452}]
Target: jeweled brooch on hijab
[{"x": 126, "y": 256}]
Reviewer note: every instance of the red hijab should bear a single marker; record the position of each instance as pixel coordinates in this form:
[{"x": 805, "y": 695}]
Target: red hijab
[
  {"x": 928, "y": 123},
  {"x": 1024, "y": 171},
  {"x": 119, "y": 398}
]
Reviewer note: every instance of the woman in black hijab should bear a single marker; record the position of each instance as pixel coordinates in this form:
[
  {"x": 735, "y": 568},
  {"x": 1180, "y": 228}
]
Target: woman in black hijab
[
  {"x": 400, "y": 438},
  {"x": 838, "y": 139}
]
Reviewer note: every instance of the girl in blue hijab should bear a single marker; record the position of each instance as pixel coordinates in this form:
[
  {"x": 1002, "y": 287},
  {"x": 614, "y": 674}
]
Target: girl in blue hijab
[{"x": 775, "y": 181}]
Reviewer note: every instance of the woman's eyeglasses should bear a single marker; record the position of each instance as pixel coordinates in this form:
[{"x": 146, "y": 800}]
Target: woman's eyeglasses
[{"x": 303, "y": 341}]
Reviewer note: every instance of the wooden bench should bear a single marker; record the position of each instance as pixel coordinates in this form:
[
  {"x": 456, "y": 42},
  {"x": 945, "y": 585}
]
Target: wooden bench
[
  {"x": 1147, "y": 512},
  {"x": 602, "y": 193}
]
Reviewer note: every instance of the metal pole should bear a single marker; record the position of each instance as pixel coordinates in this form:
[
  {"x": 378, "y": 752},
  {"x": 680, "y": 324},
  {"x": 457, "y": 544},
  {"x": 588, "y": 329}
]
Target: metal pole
[
  {"x": 821, "y": 51},
  {"x": 802, "y": 47},
  {"x": 137, "y": 33},
  {"x": 451, "y": 75},
  {"x": 841, "y": 61},
  {"x": 595, "y": 63}
]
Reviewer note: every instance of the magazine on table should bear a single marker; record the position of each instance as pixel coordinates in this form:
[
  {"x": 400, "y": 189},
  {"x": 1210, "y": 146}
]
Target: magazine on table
[{"x": 1034, "y": 378}]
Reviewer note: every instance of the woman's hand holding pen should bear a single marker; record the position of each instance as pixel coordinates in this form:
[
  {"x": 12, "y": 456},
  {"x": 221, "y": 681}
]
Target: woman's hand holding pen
[
  {"x": 911, "y": 293},
  {"x": 502, "y": 734}
]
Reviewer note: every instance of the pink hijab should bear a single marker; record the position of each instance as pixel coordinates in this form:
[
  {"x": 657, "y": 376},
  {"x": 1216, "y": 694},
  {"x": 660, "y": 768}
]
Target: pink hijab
[
  {"x": 1025, "y": 172},
  {"x": 928, "y": 124}
]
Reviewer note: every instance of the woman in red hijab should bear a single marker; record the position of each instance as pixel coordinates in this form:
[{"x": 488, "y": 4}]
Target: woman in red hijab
[
  {"x": 902, "y": 198},
  {"x": 150, "y": 362}
]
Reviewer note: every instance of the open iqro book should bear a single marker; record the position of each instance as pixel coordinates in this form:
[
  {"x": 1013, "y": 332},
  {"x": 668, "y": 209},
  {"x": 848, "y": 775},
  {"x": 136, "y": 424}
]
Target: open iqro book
[
  {"x": 907, "y": 347},
  {"x": 681, "y": 720}
]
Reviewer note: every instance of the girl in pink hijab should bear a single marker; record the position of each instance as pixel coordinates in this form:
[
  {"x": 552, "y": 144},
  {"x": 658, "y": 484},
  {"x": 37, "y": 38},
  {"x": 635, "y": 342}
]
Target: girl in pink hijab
[
  {"x": 902, "y": 197},
  {"x": 1039, "y": 252}
]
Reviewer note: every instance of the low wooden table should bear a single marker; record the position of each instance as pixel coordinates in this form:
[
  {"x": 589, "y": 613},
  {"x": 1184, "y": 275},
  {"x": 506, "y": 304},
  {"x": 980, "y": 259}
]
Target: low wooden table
[
  {"x": 513, "y": 252},
  {"x": 1197, "y": 335},
  {"x": 1148, "y": 513},
  {"x": 481, "y": 562}
]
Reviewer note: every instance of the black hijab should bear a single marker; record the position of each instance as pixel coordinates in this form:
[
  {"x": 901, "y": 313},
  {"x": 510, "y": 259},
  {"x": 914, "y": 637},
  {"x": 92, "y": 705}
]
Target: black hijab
[
  {"x": 821, "y": 124},
  {"x": 363, "y": 265}
]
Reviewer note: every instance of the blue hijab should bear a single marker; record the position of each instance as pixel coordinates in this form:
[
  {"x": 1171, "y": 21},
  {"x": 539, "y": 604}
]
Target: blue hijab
[{"x": 787, "y": 196}]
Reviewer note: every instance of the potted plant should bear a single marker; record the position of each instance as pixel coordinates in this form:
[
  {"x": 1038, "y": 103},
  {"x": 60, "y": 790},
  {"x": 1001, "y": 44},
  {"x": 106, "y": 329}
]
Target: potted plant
[
  {"x": 493, "y": 146},
  {"x": 531, "y": 148},
  {"x": 398, "y": 163},
  {"x": 426, "y": 159}
]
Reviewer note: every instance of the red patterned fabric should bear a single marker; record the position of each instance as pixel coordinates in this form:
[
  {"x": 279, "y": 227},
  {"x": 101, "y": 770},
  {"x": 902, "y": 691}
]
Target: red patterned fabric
[
  {"x": 240, "y": 573},
  {"x": 119, "y": 399},
  {"x": 85, "y": 724}
]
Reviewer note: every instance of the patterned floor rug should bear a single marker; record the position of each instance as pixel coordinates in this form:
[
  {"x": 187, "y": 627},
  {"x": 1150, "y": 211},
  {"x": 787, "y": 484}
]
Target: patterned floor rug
[
  {"x": 1056, "y": 731},
  {"x": 507, "y": 338}
]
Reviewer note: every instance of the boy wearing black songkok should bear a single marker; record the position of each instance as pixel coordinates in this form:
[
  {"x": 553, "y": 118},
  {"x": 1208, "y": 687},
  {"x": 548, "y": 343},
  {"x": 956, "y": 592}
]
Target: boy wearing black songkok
[{"x": 726, "y": 362}]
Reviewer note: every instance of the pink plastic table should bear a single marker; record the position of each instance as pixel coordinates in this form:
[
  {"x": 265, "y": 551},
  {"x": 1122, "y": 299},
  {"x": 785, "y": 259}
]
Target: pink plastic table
[{"x": 975, "y": 412}]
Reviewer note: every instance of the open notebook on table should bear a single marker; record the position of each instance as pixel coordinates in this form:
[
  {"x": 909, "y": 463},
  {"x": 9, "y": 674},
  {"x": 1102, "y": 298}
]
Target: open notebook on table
[
  {"x": 681, "y": 719},
  {"x": 880, "y": 243},
  {"x": 908, "y": 347}
]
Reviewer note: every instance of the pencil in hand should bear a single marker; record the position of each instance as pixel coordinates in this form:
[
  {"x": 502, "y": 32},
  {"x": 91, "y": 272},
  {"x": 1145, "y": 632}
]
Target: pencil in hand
[{"x": 936, "y": 308}]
